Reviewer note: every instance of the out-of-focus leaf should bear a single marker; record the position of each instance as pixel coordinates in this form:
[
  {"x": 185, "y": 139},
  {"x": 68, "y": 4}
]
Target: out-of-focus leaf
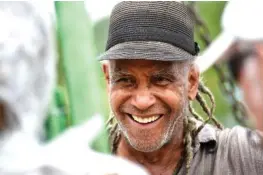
[{"x": 78, "y": 55}]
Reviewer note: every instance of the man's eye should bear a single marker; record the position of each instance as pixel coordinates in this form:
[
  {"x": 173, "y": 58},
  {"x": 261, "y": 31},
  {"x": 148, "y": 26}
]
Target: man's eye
[
  {"x": 125, "y": 81},
  {"x": 161, "y": 81}
]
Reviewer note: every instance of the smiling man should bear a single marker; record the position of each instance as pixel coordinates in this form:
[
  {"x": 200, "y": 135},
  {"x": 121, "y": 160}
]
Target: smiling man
[{"x": 151, "y": 80}]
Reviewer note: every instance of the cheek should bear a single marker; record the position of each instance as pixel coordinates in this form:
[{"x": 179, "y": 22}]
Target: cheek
[
  {"x": 117, "y": 97},
  {"x": 173, "y": 96}
]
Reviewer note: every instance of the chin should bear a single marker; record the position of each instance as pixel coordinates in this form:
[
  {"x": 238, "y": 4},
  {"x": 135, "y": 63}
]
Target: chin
[
  {"x": 143, "y": 145},
  {"x": 147, "y": 147}
]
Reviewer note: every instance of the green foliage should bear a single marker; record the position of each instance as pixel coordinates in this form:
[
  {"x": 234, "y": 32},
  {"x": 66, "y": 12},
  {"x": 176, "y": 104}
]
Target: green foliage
[
  {"x": 211, "y": 13},
  {"x": 58, "y": 116},
  {"x": 80, "y": 68}
]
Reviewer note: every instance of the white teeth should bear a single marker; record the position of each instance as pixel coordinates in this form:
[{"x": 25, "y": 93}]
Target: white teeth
[{"x": 145, "y": 120}]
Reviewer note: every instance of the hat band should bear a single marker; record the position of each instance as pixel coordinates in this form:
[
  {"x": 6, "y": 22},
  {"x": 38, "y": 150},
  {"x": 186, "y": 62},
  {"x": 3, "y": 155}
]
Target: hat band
[{"x": 151, "y": 34}]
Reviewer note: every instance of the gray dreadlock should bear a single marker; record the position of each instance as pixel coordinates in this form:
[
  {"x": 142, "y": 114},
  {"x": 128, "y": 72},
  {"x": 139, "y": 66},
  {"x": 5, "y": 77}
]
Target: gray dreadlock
[{"x": 190, "y": 127}]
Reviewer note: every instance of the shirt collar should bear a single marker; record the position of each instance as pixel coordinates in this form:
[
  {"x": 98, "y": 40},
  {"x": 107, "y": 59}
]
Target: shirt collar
[{"x": 207, "y": 137}]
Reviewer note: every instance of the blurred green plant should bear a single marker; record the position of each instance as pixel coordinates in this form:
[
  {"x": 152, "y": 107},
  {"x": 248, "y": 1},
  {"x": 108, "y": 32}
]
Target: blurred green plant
[
  {"x": 211, "y": 14},
  {"x": 80, "y": 69},
  {"x": 58, "y": 115}
]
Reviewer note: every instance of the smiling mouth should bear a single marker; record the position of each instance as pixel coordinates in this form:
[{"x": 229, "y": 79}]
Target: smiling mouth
[{"x": 145, "y": 120}]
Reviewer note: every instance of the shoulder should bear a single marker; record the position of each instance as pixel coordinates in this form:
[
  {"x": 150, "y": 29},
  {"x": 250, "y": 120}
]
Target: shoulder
[
  {"x": 242, "y": 148},
  {"x": 229, "y": 151},
  {"x": 236, "y": 139},
  {"x": 238, "y": 150},
  {"x": 239, "y": 135}
]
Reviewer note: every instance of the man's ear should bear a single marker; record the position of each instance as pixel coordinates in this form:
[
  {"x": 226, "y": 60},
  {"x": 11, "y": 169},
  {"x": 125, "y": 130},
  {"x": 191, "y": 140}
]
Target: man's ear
[
  {"x": 193, "y": 82},
  {"x": 106, "y": 72}
]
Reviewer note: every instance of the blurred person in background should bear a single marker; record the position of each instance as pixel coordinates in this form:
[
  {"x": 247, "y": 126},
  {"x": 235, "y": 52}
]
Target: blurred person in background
[
  {"x": 151, "y": 80},
  {"x": 240, "y": 45},
  {"x": 246, "y": 65}
]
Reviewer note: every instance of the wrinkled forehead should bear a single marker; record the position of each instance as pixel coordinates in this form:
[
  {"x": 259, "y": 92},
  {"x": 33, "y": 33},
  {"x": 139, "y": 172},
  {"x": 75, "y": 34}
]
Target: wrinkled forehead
[{"x": 150, "y": 65}]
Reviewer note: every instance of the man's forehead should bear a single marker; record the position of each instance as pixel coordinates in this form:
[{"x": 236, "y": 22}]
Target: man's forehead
[{"x": 118, "y": 65}]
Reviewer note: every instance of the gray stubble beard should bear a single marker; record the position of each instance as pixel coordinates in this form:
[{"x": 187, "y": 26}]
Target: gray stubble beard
[{"x": 165, "y": 138}]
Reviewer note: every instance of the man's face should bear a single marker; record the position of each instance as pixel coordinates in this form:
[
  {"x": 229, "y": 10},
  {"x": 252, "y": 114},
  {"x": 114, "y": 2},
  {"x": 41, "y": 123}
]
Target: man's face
[{"x": 149, "y": 100}]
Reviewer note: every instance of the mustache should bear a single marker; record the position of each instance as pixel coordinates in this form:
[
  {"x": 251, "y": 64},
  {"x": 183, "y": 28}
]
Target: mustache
[{"x": 155, "y": 109}]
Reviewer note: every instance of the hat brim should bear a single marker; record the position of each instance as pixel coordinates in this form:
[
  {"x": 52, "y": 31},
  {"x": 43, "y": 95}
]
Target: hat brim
[{"x": 146, "y": 50}]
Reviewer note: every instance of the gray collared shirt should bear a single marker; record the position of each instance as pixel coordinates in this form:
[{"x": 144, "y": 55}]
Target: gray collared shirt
[{"x": 236, "y": 151}]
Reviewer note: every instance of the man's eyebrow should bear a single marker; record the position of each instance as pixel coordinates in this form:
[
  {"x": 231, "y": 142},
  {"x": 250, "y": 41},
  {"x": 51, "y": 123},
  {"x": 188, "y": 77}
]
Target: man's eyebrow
[
  {"x": 166, "y": 73},
  {"x": 119, "y": 71}
]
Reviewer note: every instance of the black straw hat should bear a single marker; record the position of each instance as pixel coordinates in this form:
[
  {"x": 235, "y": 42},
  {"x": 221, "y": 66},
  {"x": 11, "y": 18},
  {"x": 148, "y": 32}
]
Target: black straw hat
[{"x": 152, "y": 30}]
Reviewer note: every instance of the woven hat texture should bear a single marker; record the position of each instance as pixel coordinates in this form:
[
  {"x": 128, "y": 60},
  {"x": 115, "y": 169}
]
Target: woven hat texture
[{"x": 153, "y": 30}]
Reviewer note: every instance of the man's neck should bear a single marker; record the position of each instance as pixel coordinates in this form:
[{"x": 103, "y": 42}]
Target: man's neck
[{"x": 163, "y": 161}]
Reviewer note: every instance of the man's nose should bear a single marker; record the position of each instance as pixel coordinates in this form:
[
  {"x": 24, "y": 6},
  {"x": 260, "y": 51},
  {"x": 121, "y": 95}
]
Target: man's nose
[{"x": 143, "y": 99}]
